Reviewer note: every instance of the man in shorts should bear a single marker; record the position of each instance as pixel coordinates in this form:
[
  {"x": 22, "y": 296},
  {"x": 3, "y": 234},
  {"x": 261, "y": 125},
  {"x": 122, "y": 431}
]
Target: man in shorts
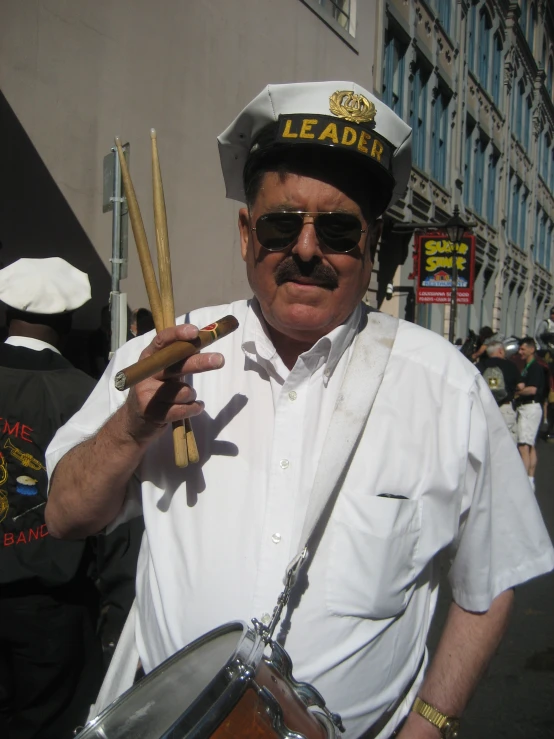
[{"x": 529, "y": 416}]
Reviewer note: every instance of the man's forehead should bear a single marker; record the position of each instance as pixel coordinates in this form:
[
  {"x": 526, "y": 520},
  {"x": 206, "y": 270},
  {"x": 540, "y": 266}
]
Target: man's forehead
[{"x": 288, "y": 191}]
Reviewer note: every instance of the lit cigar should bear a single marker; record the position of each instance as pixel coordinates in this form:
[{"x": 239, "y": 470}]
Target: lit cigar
[{"x": 176, "y": 352}]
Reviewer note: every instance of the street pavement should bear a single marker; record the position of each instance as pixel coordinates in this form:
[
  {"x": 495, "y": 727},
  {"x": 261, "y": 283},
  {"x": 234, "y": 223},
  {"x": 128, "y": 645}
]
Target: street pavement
[{"x": 515, "y": 699}]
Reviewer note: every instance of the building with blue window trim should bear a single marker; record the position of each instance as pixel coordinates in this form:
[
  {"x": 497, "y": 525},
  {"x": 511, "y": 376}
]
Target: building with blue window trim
[{"x": 475, "y": 81}]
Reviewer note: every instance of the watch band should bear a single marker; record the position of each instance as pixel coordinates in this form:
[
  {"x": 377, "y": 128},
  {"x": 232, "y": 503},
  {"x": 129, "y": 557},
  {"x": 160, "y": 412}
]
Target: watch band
[{"x": 435, "y": 717}]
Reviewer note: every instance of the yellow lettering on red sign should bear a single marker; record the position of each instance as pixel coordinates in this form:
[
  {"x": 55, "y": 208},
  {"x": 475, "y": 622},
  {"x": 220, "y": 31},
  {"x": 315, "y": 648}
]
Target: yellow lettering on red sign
[
  {"x": 434, "y": 263},
  {"x": 444, "y": 246}
]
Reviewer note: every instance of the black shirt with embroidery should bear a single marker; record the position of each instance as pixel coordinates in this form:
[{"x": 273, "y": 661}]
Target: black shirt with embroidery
[
  {"x": 511, "y": 375},
  {"x": 40, "y": 391}
]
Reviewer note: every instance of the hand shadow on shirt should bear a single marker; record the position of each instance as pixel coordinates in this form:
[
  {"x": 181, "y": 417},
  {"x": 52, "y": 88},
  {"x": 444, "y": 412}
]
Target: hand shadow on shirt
[{"x": 206, "y": 430}]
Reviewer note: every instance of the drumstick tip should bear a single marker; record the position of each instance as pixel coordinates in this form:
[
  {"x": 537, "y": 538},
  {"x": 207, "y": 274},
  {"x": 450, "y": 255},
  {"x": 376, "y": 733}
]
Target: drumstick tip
[{"x": 153, "y": 133}]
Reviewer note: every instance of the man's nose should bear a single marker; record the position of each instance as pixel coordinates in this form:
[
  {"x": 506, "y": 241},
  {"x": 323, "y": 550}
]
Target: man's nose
[{"x": 307, "y": 244}]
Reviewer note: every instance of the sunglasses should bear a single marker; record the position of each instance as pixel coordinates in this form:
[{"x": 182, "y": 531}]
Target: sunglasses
[{"x": 340, "y": 232}]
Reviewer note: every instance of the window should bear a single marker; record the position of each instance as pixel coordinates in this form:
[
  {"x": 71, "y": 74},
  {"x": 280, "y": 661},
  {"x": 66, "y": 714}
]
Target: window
[
  {"x": 492, "y": 175},
  {"x": 439, "y": 137},
  {"x": 496, "y": 69},
  {"x": 536, "y": 238},
  {"x": 550, "y": 76},
  {"x": 339, "y": 16},
  {"x": 479, "y": 176},
  {"x": 531, "y": 24},
  {"x": 472, "y": 31},
  {"x": 519, "y": 93},
  {"x": 418, "y": 114},
  {"x": 444, "y": 11},
  {"x": 522, "y": 225},
  {"x": 393, "y": 83},
  {"x": 523, "y": 19},
  {"x": 516, "y": 194},
  {"x": 484, "y": 48},
  {"x": 339, "y": 10},
  {"x": 468, "y": 161},
  {"x": 526, "y": 121},
  {"x": 544, "y": 155},
  {"x": 548, "y": 246},
  {"x": 541, "y": 241},
  {"x": 518, "y": 215}
]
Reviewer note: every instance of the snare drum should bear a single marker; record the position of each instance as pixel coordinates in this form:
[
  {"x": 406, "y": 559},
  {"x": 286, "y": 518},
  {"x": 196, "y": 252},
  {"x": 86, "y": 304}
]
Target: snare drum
[{"x": 221, "y": 686}]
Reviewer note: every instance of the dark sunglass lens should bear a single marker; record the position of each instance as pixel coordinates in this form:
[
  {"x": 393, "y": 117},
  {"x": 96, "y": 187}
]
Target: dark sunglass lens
[
  {"x": 276, "y": 231},
  {"x": 339, "y": 231}
]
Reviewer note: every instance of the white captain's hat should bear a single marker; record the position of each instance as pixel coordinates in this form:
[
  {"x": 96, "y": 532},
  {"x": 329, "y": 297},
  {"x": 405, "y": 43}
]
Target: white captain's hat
[
  {"x": 44, "y": 286},
  {"x": 341, "y": 115}
]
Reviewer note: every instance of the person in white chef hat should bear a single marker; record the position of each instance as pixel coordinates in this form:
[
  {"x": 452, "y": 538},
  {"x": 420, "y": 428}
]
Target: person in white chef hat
[
  {"x": 51, "y": 657},
  {"x": 41, "y": 295}
]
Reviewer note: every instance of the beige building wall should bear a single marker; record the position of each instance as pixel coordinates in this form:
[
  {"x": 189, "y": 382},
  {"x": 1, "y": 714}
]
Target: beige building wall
[{"x": 74, "y": 74}]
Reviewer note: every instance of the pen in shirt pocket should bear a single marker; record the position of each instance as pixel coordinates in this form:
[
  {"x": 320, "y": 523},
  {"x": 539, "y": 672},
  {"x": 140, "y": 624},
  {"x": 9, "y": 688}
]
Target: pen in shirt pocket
[{"x": 390, "y": 495}]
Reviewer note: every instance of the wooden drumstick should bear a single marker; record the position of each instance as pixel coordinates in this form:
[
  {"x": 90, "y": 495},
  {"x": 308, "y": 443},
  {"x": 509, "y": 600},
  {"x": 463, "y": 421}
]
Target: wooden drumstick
[
  {"x": 162, "y": 238},
  {"x": 180, "y": 442},
  {"x": 141, "y": 241}
]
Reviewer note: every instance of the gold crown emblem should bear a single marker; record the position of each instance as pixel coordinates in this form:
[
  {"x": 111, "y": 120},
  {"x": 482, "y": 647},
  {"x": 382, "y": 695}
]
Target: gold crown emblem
[
  {"x": 4, "y": 505},
  {"x": 352, "y": 107}
]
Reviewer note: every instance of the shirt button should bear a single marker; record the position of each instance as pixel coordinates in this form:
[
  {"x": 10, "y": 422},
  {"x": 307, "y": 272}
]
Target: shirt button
[
  {"x": 292, "y": 395},
  {"x": 266, "y": 618},
  {"x": 327, "y": 373},
  {"x": 284, "y": 463},
  {"x": 276, "y": 538}
]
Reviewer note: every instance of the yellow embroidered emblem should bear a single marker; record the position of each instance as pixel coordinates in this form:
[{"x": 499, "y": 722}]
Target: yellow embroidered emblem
[
  {"x": 352, "y": 107},
  {"x": 4, "y": 505},
  {"x": 26, "y": 459},
  {"x": 3, "y": 469}
]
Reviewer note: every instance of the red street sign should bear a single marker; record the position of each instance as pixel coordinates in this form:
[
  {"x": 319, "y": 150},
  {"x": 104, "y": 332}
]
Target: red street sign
[{"x": 434, "y": 271}]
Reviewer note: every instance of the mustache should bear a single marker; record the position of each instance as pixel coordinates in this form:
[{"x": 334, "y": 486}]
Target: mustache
[{"x": 292, "y": 269}]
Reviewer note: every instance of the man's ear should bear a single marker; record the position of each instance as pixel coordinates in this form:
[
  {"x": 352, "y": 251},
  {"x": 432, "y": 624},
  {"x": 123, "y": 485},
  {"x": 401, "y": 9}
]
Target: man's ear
[{"x": 244, "y": 231}]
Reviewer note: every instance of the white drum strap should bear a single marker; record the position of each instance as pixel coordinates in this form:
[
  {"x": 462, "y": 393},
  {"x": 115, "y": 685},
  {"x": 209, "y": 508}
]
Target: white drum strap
[{"x": 364, "y": 374}]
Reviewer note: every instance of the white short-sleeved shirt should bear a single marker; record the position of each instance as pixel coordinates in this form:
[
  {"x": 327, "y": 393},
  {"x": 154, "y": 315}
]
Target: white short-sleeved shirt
[{"x": 219, "y": 535}]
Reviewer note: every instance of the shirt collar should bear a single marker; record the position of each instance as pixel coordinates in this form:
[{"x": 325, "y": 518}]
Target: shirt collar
[
  {"x": 257, "y": 344},
  {"x": 28, "y": 343}
]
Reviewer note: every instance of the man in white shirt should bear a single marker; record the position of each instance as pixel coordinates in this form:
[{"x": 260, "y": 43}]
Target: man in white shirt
[{"x": 316, "y": 164}]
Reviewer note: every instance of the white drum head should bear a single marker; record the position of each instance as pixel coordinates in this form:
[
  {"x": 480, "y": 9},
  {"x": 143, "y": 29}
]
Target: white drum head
[{"x": 180, "y": 693}]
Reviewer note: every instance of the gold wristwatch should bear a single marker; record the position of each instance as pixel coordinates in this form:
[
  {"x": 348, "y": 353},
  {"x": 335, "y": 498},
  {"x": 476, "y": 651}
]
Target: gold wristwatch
[{"x": 447, "y": 725}]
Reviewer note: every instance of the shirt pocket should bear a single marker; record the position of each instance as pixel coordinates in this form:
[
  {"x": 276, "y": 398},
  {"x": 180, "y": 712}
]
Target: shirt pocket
[{"x": 371, "y": 565}]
